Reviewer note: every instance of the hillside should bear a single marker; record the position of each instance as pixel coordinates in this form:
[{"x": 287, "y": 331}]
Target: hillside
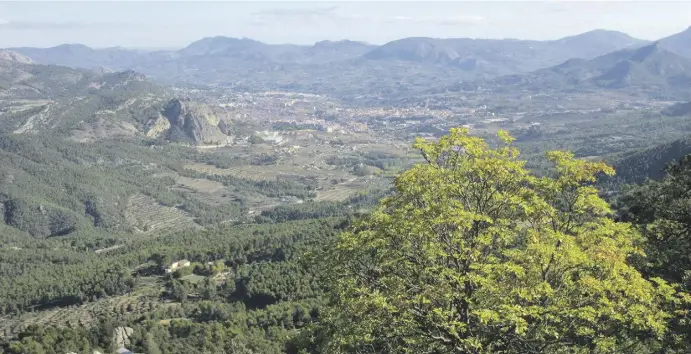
[
  {"x": 649, "y": 65},
  {"x": 679, "y": 43},
  {"x": 637, "y": 166},
  {"x": 22, "y": 80},
  {"x": 81, "y": 56},
  {"x": 650, "y": 69},
  {"x": 10, "y": 56},
  {"x": 678, "y": 109},
  {"x": 89, "y": 105}
]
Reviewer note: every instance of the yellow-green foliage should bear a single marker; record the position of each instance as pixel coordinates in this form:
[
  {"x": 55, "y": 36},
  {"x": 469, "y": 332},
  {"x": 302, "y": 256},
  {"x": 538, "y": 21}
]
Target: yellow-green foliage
[{"x": 474, "y": 254}]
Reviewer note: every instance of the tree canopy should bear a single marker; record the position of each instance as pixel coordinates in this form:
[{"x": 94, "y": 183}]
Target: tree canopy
[
  {"x": 661, "y": 209},
  {"x": 474, "y": 254}
]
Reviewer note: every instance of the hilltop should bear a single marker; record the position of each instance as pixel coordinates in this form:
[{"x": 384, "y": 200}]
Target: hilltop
[{"x": 678, "y": 43}]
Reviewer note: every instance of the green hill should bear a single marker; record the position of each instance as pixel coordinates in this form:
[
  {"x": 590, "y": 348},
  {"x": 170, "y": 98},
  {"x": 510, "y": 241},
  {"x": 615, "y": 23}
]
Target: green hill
[{"x": 637, "y": 166}]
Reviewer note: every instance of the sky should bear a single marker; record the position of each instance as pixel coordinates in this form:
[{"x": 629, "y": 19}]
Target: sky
[{"x": 159, "y": 24}]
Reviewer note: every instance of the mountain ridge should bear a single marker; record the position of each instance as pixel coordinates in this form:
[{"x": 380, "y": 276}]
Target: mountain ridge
[
  {"x": 679, "y": 43},
  {"x": 211, "y": 54},
  {"x": 651, "y": 67}
]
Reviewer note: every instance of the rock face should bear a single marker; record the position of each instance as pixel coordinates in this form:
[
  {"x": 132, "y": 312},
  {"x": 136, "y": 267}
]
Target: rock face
[
  {"x": 193, "y": 123},
  {"x": 157, "y": 127},
  {"x": 121, "y": 336}
]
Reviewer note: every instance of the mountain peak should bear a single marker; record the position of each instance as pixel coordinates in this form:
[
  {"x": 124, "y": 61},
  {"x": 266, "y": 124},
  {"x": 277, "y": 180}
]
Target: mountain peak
[
  {"x": 678, "y": 42},
  {"x": 212, "y": 45},
  {"x": 73, "y": 47},
  {"x": 601, "y": 36}
]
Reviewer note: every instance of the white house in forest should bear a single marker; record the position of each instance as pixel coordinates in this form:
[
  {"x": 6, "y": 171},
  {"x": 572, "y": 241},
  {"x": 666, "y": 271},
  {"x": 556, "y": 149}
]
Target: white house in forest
[{"x": 179, "y": 264}]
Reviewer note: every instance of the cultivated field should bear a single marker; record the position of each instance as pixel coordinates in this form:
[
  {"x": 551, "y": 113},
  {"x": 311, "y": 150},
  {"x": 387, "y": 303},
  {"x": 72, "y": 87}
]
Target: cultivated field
[{"x": 145, "y": 214}]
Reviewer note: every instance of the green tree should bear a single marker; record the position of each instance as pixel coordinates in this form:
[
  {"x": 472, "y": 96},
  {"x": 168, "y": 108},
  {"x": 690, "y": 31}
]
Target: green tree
[
  {"x": 27, "y": 345},
  {"x": 662, "y": 211},
  {"x": 162, "y": 260},
  {"x": 474, "y": 254},
  {"x": 150, "y": 344},
  {"x": 255, "y": 139},
  {"x": 178, "y": 290},
  {"x": 208, "y": 289}
]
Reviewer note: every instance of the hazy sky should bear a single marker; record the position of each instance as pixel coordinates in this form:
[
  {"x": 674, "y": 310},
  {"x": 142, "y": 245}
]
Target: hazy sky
[{"x": 176, "y": 24}]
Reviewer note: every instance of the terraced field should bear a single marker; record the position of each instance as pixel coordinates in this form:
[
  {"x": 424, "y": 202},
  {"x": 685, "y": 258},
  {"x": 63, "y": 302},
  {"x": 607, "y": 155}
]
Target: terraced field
[
  {"x": 200, "y": 185},
  {"x": 208, "y": 169},
  {"x": 268, "y": 172},
  {"x": 335, "y": 195},
  {"x": 84, "y": 315},
  {"x": 145, "y": 214}
]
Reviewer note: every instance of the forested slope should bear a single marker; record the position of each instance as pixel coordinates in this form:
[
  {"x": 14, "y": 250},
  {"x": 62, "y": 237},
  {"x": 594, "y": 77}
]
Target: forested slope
[
  {"x": 471, "y": 253},
  {"x": 637, "y": 166}
]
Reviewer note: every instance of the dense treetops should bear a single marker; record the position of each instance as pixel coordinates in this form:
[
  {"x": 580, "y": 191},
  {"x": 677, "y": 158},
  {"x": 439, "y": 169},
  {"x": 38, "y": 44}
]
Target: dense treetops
[
  {"x": 661, "y": 211},
  {"x": 474, "y": 254}
]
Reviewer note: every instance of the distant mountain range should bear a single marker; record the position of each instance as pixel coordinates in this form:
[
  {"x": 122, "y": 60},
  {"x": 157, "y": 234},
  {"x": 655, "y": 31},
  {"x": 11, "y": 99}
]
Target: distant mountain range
[
  {"x": 207, "y": 51},
  {"x": 463, "y": 52},
  {"x": 473, "y": 57},
  {"x": 651, "y": 68},
  {"x": 597, "y": 58},
  {"x": 508, "y": 54}
]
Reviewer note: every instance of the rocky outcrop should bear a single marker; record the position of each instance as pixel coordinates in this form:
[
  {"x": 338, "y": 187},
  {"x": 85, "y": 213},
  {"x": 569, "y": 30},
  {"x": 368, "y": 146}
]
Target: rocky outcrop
[
  {"x": 121, "y": 336},
  {"x": 193, "y": 123},
  {"x": 224, "y": 127},
  {"x": 157, "y": 127}
]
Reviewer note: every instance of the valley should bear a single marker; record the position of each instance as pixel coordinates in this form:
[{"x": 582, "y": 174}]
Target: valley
[{"x": 183, "y": 197}]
